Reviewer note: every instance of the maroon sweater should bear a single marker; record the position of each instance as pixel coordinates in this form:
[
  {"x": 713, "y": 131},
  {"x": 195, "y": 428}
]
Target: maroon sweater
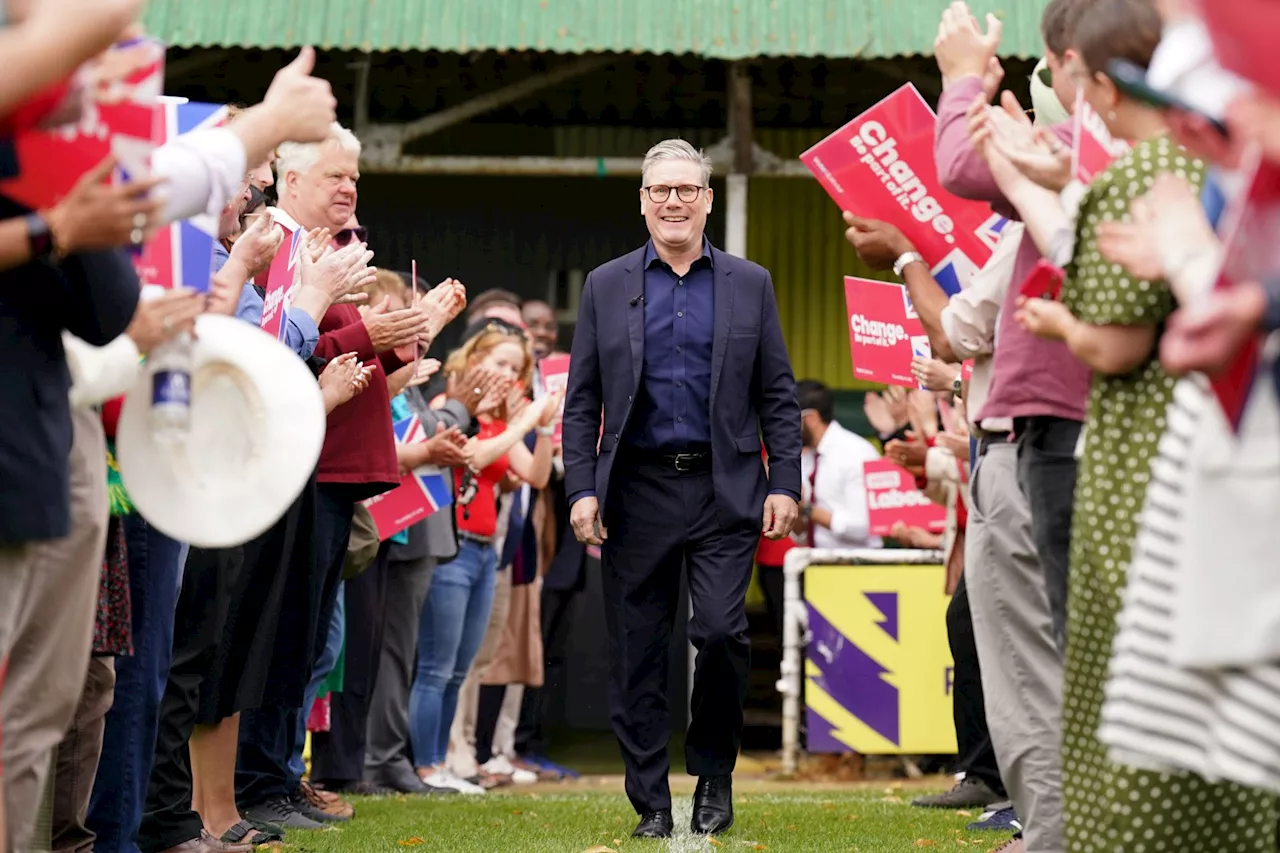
[{"x": 359, "y": 445}]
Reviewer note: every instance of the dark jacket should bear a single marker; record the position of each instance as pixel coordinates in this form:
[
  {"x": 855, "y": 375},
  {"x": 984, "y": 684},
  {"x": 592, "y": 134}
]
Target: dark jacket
[
  {"x": 93, "y": 296},
  {"x": 753, "y": 391}
]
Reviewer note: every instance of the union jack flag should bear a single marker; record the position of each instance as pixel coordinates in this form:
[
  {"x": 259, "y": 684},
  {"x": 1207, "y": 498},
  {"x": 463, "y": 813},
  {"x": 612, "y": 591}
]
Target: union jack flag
[
  {"x": 433, "y": 482},
  {"x": 181, "y": 254}
]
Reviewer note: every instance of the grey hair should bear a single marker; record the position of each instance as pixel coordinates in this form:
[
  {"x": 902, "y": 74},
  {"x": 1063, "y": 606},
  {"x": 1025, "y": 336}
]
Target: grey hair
[
  {"x": 676, "y": 149},
  {"x": 301, "y": 156}
]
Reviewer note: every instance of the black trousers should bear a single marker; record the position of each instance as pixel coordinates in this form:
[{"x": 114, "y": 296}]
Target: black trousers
[
  {"x": 269, "y": 735},
  {"x": 530, "y": 738},
  {"x": 660, "y": 520},
  {"x": 337, "y": 756},
  {"x": 977, "y": 757},
  {"x": 1047, "y": 475}
]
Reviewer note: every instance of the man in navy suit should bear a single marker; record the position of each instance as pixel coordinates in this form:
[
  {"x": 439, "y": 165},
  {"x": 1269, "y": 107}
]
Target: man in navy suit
[{"x": 678, "y": 351}]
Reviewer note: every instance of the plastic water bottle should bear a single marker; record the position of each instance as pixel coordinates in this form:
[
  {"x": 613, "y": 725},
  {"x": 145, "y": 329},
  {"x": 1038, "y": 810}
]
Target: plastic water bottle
[{"x": 171, "y": 364}]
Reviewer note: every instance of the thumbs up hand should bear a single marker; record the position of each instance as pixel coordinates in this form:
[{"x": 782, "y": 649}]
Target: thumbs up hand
[{"x": 303, "y": 106}]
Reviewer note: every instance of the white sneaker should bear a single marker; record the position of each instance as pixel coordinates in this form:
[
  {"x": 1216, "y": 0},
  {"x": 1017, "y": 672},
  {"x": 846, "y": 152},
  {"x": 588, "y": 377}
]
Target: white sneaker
[
  {"x": 439, "y": 780},
  {"x": 499, "y": 765},
  {"x": 462, "y": 786}
]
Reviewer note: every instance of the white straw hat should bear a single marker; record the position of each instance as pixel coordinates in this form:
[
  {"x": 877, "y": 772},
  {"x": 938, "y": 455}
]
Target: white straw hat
[{"x": 257, "y": 426}]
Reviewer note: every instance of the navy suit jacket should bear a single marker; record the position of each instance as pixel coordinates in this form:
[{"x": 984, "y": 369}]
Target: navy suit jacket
[{"x": 753, "y": 392}]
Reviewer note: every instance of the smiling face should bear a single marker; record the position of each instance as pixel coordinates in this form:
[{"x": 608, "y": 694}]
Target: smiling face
[
  {"x": 324, "y": 196},
  {"x": 507, "y": 359},
  {"x": 544, "y": 332},
  {"x": 676, "y": 225}
]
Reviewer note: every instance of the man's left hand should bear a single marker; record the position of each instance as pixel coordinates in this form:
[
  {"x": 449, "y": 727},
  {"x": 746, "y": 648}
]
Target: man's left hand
[{"x": 780, "y": 513}]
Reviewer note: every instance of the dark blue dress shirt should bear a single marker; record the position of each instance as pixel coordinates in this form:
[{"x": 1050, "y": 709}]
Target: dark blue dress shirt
[{"x": 672, "y": 412}]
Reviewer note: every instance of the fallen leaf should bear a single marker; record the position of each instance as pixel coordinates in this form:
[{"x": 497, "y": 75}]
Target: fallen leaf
[
  {"x": 851, "y": 817},
  {"x": 925, "y": 842},
  {"x": 516, "y": 811},
  {"x": 792, "y": 827},
  {"x": 713, "y": 842},
  {"x": 617, "y": 841},
  {"x": 547, "y": 826},
  {"x": 599, "y": 848},
  {"x": 412, "y": 841},
  {"x": 965, "y": 813}
]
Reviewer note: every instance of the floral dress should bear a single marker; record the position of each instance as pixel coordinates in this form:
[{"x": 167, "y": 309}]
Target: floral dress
[{"x": 1109, "y": 807}]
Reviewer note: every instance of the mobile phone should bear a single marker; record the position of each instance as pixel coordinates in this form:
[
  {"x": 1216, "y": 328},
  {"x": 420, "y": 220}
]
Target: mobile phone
[
  {"x": 1132, "y": 81},
  {"x": 1044, "y": 282}
]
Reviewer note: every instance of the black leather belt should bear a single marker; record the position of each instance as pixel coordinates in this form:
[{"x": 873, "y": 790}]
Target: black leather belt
[
  {"x": 985, "y": 442},
  {"x": 687, "y": 462}
]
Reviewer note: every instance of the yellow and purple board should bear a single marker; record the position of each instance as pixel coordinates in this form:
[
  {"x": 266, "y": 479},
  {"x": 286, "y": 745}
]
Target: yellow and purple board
[{"x": 878, "y": 668}]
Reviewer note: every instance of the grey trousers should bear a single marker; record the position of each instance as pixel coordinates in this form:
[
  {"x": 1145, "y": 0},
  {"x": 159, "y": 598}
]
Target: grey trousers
[
  {"x": 387, "y": 743},
  {"x": 76, "y": 761},
  {"x": 1021, "y": 664},
  {"x": 50, "y": 593}
]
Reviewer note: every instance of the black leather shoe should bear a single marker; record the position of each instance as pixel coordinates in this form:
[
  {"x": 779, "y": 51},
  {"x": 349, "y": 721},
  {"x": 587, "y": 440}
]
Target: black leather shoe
[
  {"x": 654, "y": 825},
  {"x": 713, "y": 805}
]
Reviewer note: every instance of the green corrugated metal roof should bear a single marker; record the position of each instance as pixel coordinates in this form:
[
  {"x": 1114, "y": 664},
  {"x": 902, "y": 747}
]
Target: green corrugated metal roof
[{"x": 720, "y": 29}]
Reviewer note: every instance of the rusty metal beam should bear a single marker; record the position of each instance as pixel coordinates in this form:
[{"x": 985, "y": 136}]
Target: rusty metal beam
[{"x": 599, "y": 167}]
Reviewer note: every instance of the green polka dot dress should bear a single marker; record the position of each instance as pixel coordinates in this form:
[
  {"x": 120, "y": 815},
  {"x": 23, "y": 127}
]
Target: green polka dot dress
[{"x": 1110, "y": 808}]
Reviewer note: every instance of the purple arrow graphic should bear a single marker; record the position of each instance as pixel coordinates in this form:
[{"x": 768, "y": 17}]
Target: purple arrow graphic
[
  {"x": 853, "y": 678},
  {"x": 886, "y": 603}
]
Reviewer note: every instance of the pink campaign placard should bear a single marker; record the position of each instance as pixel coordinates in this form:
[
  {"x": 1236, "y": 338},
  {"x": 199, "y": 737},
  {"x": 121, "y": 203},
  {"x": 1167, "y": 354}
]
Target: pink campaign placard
[
  {"x": 1094, "y": 148},
  {"x": 884, "y": 332},
  {"x": 892, "y": 497},
  {"x": 881, "y": 166},
  {"x": 554, "y": 370},
  {"x": 127, "y": 123}
]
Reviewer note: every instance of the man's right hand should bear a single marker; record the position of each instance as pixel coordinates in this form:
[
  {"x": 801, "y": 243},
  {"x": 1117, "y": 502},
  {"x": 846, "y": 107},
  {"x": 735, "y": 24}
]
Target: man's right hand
[
  {"x": 585, "y": 518},
  {"x": 303, "y": 105},
  {"x": 97, "y": 215},
  {"x": 961, "y": 49},
  {"x": 390, "y": 329},
  {"x": 446, "y": 448},
  {"x": 877, "y": 243}
]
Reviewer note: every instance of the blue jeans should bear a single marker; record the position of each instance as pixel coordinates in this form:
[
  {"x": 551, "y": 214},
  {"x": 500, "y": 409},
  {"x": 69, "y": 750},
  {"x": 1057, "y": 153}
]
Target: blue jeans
[
  {"x": 450, "y": 629},
  {"x": 324, "y": 665},
  {"x": 128, "y": 746}
]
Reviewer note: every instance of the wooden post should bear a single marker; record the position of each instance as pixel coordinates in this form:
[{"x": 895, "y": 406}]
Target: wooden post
[{"x": 741, "y": 136}]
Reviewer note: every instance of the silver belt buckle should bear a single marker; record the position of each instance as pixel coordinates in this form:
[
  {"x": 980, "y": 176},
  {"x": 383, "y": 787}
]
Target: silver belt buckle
[{"x": 684, "y": 462}]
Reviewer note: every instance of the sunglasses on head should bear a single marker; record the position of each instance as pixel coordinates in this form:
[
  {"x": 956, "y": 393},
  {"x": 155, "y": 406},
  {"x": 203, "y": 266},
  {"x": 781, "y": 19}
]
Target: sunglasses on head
[{"x": 344, "y": 237}]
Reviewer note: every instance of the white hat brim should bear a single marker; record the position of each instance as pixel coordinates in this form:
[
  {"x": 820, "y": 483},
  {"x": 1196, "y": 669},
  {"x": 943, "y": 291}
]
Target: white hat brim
[{"x": 257, "y": 428}]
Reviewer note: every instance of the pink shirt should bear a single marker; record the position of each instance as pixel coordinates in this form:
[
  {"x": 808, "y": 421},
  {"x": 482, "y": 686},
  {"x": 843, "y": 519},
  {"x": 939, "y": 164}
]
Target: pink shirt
[{"x": 1030, "y": 376}]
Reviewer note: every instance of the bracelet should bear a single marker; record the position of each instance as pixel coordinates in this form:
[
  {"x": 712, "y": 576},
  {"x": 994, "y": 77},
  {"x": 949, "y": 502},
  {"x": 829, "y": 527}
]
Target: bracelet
[{"x": 546, "y": 431}]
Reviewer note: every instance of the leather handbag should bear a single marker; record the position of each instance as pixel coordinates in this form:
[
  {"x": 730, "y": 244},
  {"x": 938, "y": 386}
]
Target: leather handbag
[{"x": 362, "y": 547}]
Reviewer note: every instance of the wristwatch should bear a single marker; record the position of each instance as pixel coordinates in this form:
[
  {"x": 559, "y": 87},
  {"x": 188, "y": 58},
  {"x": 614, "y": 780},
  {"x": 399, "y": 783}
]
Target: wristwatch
[
  {"x": 904, "y": 260},
  {"x": 40, "y": 238}
]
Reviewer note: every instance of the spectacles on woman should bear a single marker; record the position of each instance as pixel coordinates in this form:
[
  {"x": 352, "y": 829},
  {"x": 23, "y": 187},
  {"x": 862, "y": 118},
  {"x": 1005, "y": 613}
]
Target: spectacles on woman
[
  {"x": 658, "y": 193},
  {"x": 343, "y": 237}
]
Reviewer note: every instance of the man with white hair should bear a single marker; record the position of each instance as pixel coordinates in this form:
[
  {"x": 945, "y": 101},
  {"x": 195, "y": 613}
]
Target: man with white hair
[
  {"x": 317, "y": 189},
  {"x": 679, "y": 354}
]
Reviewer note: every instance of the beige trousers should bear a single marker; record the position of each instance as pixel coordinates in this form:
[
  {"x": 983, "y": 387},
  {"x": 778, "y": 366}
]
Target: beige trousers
[
  {"x": 50, "y": 590},
  {"x": 462, "y": 735}
]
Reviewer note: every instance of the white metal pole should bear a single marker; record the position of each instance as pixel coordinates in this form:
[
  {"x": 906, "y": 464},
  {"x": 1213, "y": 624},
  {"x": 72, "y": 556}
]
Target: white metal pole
[
  {"x": 735, "y": 226},
  {"x": 793, "y": 617}
]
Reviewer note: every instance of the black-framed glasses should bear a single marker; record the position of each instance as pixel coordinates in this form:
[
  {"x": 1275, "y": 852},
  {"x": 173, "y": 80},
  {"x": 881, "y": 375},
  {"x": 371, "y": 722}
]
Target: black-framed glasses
[
  {"x": 658, "y": 193},
  {"x": 344, "y": 237}
]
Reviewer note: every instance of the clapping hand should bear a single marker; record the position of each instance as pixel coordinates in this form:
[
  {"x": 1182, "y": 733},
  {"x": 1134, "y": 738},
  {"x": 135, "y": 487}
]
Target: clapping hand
[
  {"x": 963, "y": 50},
  {"x": 447, "y": 448},
  {"x": 934, "y": 374},
  {"x": 473, "y": 387},
  {"x": 390, "y": 329},
  {"x": 257, "y": 245},
  {"x": 442, "y": 304},
  {"x": 163, "y": 318},
  {"x": 339, "y": 275},
  {"x": 343, "y": 378},
  {"x": 1045, "y": 318}
]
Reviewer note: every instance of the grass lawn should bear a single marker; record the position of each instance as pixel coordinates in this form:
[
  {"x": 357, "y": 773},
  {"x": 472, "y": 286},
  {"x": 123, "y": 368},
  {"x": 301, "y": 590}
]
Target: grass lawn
[{"x": 593, "y": 816}]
